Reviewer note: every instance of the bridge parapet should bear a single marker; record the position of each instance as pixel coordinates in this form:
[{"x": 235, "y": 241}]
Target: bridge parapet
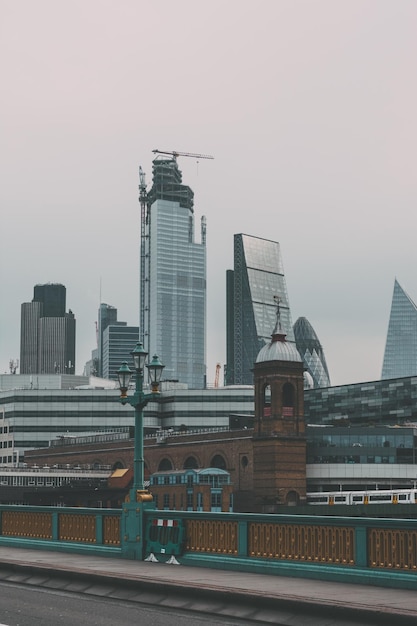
[{"x": 375, "y": 551}]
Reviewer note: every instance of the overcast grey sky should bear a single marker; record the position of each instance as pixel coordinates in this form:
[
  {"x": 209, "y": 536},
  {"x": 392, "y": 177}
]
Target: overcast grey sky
[{"x": 309, "y": 109}]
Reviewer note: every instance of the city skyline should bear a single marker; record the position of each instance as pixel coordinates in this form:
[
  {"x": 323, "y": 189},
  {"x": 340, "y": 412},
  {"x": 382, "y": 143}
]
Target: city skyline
[{"x": 308, "y": 109}]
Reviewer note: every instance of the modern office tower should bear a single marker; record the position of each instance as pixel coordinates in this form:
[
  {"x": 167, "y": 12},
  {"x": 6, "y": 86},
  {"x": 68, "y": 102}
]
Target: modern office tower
[
  {"x": 251, "y": 291},
  {"x": 47, "y": 333},
  {"x": 173, "y": 277},
  {"x": 400, "y": 357},
  {"x": 107, "y": 315},
  {"x": 53, "y": 298},
  {"x": 311, "y": 351},
  {"x": 118, "y": 342}
]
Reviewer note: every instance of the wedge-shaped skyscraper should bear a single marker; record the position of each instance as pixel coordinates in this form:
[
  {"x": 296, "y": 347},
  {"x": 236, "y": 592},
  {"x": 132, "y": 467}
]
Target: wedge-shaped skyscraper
[
  {"x": 400, "y": 357},
  {"x": 252, "y": 288},
  {"x": 311, "y": 352}
]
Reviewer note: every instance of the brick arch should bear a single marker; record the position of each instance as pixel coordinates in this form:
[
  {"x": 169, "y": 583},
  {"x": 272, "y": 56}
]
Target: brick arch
[
  {"x": 118, "y": 465},
  {"x": 292, "y": 497},
  {"x": 188, "y": 462},
  {"x": 165, "y": 464},
  {"x": 219, "y": 459}
]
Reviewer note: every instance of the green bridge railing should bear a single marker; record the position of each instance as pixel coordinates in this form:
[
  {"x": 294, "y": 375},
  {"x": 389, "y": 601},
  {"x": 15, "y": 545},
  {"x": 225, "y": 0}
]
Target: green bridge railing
[{"x": 350, "y": 549}]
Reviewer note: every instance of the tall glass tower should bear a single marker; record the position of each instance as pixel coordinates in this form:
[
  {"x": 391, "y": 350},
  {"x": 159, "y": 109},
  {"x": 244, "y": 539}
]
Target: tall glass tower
[
  {"x": 173, "y": 277},
  {"x": 400, "y": 357},
  {"x": 252, "y": 287}
]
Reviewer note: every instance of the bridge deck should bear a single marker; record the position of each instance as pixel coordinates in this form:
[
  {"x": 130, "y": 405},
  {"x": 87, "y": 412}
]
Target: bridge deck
[{"x": 237, "y": 594}]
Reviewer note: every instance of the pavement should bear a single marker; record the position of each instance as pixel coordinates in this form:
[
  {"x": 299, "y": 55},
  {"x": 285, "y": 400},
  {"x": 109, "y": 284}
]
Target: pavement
[{"x": 261, "y": 598}]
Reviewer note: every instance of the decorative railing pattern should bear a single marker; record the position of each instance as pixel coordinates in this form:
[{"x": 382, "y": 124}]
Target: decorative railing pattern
[
  {"x": 348, "y": 548},
  {"x": 111, "y": 530},
  {"x": 393, "y": 549},
  {"x": 88, "y": 527},
  {"x": 80, "y": 528},
  {"x": 324, "y": 544},
  {"x": 29, "y": 524},
  {"x": 211, "y": 536}
]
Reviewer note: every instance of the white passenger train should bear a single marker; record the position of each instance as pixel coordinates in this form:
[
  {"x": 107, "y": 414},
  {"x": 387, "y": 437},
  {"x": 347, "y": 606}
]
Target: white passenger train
[{"x": 383, "y": 496}]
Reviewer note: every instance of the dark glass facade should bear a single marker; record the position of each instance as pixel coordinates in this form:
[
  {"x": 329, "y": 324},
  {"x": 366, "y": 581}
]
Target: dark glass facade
[
  {"x": 257, "y": 278},
  {"x": 361, "y": 445},
  {"x": 47, "y": 333},
  {"x": 382, "y": 402}
]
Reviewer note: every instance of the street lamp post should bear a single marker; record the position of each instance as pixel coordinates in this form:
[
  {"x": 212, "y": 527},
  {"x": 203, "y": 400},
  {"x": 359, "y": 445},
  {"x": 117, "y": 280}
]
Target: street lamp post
[{"x": 139, "y": 498}]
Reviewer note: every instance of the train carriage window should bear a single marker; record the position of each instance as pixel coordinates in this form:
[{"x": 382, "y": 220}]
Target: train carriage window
[{"x": 380, "y": 498}]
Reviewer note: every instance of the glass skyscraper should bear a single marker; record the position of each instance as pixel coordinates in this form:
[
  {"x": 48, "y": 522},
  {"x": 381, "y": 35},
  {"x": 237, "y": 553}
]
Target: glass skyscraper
[
  {"x": 400, "y": 357},
  {"x": 252, "y": 287},
  {"x": 118, "y": 341},
  {"x": 173, "y": 277},
  {"x": 311, "y": 351}
]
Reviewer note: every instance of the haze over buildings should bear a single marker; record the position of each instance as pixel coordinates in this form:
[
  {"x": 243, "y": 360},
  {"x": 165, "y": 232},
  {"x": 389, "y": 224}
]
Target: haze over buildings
[{"x": 308, "y": 109}]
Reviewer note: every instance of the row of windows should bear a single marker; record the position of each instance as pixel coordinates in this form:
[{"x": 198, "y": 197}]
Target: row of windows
[
  {"x": 368, "y": 440},
  {"x": 60, "y": 397},
  {"x": 170, "y": 501},
  {"x": 359, "y": 459},
  {"x": 190, "y": 480},
  {"x": 218, "y": 461}
]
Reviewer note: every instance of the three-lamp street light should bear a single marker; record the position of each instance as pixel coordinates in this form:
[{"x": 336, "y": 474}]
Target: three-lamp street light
[{"x": 138, "y": 401}]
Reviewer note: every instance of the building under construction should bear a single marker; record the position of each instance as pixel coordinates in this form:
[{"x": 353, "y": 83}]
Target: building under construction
[{"x": 172, "y": 274}]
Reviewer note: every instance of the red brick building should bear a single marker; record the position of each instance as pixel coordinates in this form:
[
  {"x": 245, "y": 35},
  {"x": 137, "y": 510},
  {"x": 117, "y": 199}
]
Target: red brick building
[{"x": 267, "y": 464}]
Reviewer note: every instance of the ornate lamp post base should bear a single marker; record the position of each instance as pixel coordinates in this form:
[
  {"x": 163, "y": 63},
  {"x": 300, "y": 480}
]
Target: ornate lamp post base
[
  {"x": 139, "y": 499},
  {"x": 133, "y": 526}
]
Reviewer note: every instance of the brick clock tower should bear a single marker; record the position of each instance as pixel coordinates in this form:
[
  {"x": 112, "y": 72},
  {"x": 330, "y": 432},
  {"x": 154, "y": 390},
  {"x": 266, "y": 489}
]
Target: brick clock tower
[{"x": 279, "y": 443}]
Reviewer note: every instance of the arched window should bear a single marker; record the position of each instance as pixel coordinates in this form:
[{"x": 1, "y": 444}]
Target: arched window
[
  {"x": 218, "y": 461},
  {"x": 118, "y": 465},
  {"x": 165, "y": 465},
  {"x": 266, "y": 401},
  {"x": 288, "y": 400},
  {"x": 190, "y": 463},
  {"x": 292, "y": 498}
]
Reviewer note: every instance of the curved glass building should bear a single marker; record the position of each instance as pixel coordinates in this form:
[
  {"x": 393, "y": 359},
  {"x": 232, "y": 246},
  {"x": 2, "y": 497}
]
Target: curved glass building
[{"x": 311, "y": 352}]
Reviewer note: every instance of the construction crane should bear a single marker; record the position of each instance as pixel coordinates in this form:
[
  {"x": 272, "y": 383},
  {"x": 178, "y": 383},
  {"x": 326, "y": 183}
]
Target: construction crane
[{"x": 176, "y": 154}]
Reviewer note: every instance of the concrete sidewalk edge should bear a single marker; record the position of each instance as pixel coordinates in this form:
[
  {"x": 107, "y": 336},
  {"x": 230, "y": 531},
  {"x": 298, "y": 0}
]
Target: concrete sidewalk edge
[{"x": 258, "y": 602}]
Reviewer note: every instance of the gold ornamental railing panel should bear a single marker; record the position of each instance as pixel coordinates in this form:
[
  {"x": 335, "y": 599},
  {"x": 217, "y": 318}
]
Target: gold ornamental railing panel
[
  {"x": 211, "y": 536},
  {"x": 324, "y": 544},
  {"x": 111, "y": 530},
  {"x": 392, "y": 549},
  {"x": 26, "y": 524},
  {"x": 76, "y": 527}
]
